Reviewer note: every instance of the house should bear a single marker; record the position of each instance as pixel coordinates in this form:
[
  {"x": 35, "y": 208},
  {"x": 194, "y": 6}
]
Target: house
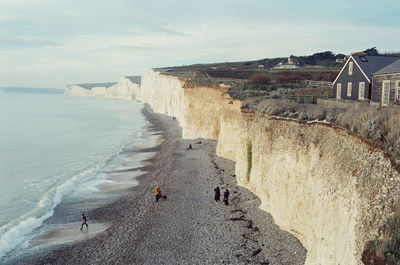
[
  {"x": 354, "y": 81},
  {"x": 290, "y": 64},
  {"x": 341, "y": 59},
  {"x": 386, "y": 84}
]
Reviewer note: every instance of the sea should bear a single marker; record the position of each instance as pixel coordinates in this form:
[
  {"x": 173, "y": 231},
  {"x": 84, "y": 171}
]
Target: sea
[{"x": 57, "y": 149}]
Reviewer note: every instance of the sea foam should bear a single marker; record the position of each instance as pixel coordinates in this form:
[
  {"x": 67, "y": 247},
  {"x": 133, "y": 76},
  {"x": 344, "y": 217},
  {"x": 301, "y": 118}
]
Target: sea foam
[{"x": 15, "y": 232}]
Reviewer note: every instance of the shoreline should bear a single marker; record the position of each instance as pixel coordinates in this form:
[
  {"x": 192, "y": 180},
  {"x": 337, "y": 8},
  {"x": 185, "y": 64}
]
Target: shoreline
[{"x": 188, "y": 227}]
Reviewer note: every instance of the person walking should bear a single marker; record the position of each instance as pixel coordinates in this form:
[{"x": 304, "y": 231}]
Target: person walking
[
  {"x": 217, "y": 194},
  {"x": 84, "y": 221},
  {"x": 226, "y": 197},
  {"x": 157, "y": 193}
]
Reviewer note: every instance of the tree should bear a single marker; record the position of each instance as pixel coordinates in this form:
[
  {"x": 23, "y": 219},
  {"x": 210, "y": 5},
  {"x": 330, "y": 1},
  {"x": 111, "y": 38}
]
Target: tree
[{"x": 371, "y": 51}]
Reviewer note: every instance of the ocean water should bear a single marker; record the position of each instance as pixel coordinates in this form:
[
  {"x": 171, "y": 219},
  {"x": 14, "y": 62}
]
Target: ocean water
[{"x": 52, "y": 146}]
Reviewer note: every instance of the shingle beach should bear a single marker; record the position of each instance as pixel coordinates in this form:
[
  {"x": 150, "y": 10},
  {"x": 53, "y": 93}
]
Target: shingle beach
[{"x": 188, "y": 227}]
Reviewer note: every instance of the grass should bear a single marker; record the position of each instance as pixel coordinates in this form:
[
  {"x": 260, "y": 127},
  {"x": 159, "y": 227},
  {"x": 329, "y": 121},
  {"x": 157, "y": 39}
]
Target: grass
[
  {"x": 380, "y": 125},
  {"x": 279, "y": 93}
]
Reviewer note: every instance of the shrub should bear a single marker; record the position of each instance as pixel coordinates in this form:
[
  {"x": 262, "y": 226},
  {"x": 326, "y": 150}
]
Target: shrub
[
  {"x": 259, "y": 79},
  {"x": 379, "y": 125}
]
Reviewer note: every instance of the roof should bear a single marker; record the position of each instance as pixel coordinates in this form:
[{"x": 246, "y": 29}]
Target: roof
[
  {"x": 371, "y": 64},
  {"x": 389, "y": 69}
]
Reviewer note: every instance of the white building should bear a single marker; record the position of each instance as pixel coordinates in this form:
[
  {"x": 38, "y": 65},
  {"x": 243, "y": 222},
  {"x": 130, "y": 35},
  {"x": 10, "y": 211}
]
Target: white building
[{"x": 290, "y": 64}]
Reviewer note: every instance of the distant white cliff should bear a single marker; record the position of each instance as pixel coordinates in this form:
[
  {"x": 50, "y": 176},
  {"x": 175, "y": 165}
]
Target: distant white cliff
[{"x": 124, "y": 89}]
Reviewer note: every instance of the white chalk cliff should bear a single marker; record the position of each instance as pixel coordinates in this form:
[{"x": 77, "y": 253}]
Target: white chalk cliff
[
  {"x": 124, "y": 89},
  {"x": 329, "y": 188}
]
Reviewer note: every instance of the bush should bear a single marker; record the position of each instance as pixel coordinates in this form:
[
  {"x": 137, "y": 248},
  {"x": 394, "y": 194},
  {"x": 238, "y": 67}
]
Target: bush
[
  {"x": 259, "y": 79},
  {"x": 287, "y": 108},
  {"x": 379, "y": 125}
]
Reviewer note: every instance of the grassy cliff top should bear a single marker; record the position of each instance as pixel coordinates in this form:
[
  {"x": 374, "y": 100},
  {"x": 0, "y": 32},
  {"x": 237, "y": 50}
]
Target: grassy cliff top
[{"x": 293, "y": 93}]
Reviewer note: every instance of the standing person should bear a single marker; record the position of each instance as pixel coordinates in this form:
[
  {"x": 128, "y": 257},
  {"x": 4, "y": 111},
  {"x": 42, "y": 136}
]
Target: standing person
[
  {"x": 226, "y": 197},
  {"x": 190, "y": 147},
  {"x": 157, "y": 193},
  {"x": 84, "y": 221},
  {"x": 217, "y": 194}
]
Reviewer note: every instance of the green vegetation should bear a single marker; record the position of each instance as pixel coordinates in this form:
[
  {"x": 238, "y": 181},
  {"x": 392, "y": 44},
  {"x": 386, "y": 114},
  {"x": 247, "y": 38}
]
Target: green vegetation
[
  {"x": 258, "y": 80},
  {"x": 327, "y": 59},
  {"x": 279, "y": 92},
  {"x": 385, "y": 251},
  {"x": 392, "y": 245},
  {"x": 318, "y": 60},
  {"x": 378, "y": 125}
]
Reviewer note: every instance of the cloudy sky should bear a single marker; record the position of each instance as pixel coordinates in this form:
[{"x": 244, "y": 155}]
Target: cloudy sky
[{"x": 51, "y": 43}]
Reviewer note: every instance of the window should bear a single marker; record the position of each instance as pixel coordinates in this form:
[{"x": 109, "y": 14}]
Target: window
[
  {"x": 350, "y": 68},
  {"x": 361, "y": 90},
  {"x": 363, "y": 59},
  {"x": 349, "y": 87},
  {"x": 397, "y": 92},
  {"x": 338, "y": 90},
  {"x": 385, "y": 92}
]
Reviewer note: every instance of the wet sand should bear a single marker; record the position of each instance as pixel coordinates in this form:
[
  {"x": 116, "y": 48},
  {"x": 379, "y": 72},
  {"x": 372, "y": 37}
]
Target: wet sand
[
  {"x": 69, "y": 233},
  {"x": 189, "y": 227}
]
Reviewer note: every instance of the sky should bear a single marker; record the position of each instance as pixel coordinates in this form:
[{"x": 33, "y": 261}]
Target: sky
[{"x": 52, "y": 43}]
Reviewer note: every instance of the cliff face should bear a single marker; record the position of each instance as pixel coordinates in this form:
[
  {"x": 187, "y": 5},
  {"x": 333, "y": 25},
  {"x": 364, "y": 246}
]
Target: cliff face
[
  {"x": 329, "y": 188},
  {"x": 164, "y": 94},
  {"x": 124, "y": 89}
]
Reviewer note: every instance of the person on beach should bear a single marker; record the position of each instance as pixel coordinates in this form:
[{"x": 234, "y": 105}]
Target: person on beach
[
  {"x": 84, "y": 221},
  {"x": 226, "y": 197},
  {"x": 157, "y": 193},
  {"x": 190, "y": 147},
  {"x": 217, "y": 194}
]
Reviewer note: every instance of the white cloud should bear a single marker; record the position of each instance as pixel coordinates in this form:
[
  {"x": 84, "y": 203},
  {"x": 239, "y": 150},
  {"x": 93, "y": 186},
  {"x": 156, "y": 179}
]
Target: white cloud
[{"x": 103, "y": 58}]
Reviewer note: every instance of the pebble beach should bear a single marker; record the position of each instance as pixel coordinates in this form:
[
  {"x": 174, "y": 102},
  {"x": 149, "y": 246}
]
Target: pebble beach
[{"x": 188, "y": 227}]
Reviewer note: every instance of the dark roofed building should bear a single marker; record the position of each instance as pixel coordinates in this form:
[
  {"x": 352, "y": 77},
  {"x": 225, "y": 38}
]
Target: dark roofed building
[
  {"x": 390, "y": 69},
  {"x": 354, "y": 81},
  {"x": 371, "y": 64},
  {"x": 386, "y": 84}
]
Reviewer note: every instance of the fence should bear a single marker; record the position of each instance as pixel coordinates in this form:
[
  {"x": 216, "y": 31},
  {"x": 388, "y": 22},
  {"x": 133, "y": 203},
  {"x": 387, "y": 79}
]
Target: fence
[
  {"x": 305, "y": 99},
  {"x": 345, "y": 103},
  {"x": 313, "y": 83}
]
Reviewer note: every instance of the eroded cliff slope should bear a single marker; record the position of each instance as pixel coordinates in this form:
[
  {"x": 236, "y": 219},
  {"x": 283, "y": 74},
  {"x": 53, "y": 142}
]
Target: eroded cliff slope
[{"x": 329, "y": 188}]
